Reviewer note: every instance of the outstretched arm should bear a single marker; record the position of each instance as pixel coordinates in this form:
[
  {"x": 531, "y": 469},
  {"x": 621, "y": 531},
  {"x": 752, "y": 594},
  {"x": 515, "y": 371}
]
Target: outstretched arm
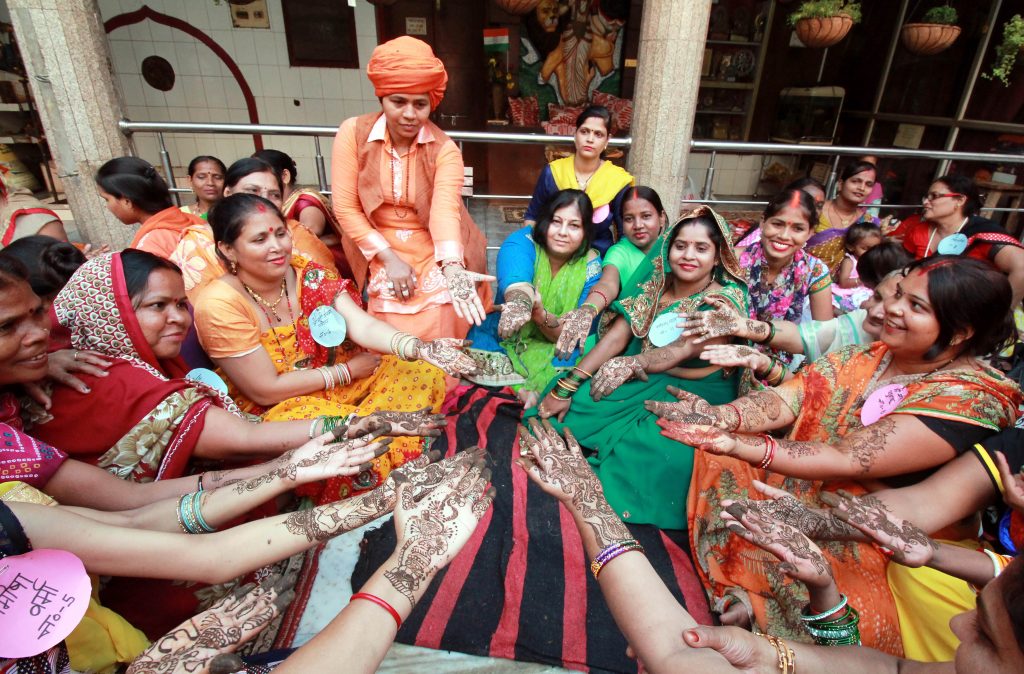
[
  {"x": 643, "y": 608},
  {"x": 430, "y": 533},
  {"x": 894, "y": 445}
]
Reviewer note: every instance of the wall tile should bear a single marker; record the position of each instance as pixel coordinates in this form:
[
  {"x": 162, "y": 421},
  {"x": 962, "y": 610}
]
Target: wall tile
[
  {"x": 234, "y": 94},
  {"x": 186, "y": 58},
  {"x": 245, "y": 48},
  {"x": 215, "y": 94},
  {"x": 310, "y": 81},
  {"x": 205, "y": 91}
]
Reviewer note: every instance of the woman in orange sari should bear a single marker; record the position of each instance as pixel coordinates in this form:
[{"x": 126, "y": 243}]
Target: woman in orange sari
[
  {"x": 858, "y": 418},
  {"x": 397, "y": 192},
  {"x": 135, "y": 193},
  {"x": 257, "y": 325}
]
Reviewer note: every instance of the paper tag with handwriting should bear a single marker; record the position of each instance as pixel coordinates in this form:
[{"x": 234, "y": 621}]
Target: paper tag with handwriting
[{"x": 43, "y": 596}]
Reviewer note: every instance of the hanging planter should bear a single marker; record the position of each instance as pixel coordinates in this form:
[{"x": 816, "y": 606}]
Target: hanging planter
[
  {"x": 926, "y": 39},
  {"x": 518, "y": 7},
  {"x": 823, "y": 23},
  {"x": 817, "y": 33},
  {"x": 936, "y": 31}
]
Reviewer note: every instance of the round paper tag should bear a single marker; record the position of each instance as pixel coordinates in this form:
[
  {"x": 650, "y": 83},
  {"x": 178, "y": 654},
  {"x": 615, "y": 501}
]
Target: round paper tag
[
  {"x": 208, "y": 377},
  {"x": 882, "y": 402},
  {"x": 327, "y": 326},
  {"x": 664, "y": 330},
  {"x": 43, "y": 596},
  {"x": 954, "y": 244}
]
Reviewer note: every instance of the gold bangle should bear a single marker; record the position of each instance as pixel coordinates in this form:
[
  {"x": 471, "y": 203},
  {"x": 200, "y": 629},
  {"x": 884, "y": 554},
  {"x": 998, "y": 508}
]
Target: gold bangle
[
  {"x": 582, "y": 371},
  {"x": 787, "y": 658}
]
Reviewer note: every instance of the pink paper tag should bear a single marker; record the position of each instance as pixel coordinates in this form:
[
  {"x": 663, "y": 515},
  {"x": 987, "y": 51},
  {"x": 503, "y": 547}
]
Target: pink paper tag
[
  {"x": 601, "y": 213},
  {"x": 43, "y": 596},
  {"x": 882, "y": 402}
]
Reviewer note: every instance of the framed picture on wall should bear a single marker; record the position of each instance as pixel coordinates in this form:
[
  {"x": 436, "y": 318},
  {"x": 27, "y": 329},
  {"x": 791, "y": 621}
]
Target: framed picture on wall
[{"x": 320, "y": 33}]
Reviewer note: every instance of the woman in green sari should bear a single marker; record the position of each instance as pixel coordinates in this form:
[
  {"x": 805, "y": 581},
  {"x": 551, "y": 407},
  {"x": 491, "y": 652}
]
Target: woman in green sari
[
  {"x": 640, "y": 358},
  {"x": 516, "y": 346}
]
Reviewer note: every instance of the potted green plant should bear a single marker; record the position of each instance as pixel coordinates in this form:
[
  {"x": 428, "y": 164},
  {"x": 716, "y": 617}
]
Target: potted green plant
[
  {"x": 823, "y": 23},
  {"x": 936, "y": 31},
  {"x": 1008, "y": 50}
]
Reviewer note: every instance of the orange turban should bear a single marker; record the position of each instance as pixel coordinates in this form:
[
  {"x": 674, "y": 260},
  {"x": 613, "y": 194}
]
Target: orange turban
[{"x": 406, "y": 65}]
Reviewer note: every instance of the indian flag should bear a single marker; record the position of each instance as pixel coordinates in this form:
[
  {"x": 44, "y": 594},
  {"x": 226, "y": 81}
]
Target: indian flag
[{"x": 495, "y": 39}]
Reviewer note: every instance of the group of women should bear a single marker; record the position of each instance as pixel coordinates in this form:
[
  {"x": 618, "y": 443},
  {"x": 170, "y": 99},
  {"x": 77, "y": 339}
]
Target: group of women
[{"x": 263, "y": 340}]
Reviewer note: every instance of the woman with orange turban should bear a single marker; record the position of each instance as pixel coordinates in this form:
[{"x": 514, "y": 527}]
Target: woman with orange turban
[{"x": 397, "y": 193}]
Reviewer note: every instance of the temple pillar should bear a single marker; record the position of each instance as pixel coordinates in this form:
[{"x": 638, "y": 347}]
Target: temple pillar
[
  {"x": 672, "y": 35},
  {"x": 67, "y": 59}
]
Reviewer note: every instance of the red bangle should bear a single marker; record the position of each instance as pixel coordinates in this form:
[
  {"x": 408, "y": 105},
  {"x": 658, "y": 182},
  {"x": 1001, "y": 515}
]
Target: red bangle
[
  {"x": 603, "y": 296},
  {"x": 383, "y": 604},
  {"x": 769, "y": 451},
  {"x": 739, "y": 417}
]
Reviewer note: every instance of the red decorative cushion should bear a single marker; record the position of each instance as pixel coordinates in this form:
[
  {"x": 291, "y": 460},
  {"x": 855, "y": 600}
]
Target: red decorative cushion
[
  {"x": 621, "y": 109},
  {"x": 563, "y": 114},
  {"x": 525, "y": 111},
  {"x": 559, "y": 128}
]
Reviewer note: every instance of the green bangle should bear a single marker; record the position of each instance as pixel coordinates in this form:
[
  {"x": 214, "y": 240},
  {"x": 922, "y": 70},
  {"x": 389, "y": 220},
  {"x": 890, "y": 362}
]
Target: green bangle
[{"x": 591, "y": 305}]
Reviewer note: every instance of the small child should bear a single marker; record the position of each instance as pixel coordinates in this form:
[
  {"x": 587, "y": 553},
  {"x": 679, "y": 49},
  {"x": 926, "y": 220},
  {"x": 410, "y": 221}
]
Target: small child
[{"x": 847, "y": 291}]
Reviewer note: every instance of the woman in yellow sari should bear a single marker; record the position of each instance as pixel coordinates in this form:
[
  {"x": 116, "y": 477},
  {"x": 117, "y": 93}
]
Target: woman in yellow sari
[
  {"x": 587, "y": 170},
  {"x": 258, "y": 325}
]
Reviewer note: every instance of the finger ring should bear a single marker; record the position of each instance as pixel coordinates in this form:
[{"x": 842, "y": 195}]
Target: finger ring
[{"x": 76, "y": 355}]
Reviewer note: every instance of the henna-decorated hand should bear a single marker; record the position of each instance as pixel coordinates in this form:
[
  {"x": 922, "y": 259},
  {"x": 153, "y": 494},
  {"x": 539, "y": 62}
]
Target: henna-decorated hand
[
  {"x": 722, "y": 321},
  {"x": 431, "y": 531},
  {"x": 614, "y": 373},
  {"x": 553, "y": 406},
  {"x": 419, "y": 423},
  {"x": 515, "y": 313},
  {"x": 1013, "y": 483},
  {"x": 557, "y": 466},
  {"x": 816, "y": 524},
  {"x": 321, "y": 458},
  {"x": 692, "y": 409},
  {"x": 909, "y": 545},
  {"x": 734, "y": 355},
  {"x": 462, "y": 288},
  {"x": 425, "y": 472},
  {"x": 708, "y": 438},
  {"x": 231, "y": 622},
  {"x": 446, "y": 353},
  {"x": 575, "y": 328},
  {"x": 801, "y": 559}
]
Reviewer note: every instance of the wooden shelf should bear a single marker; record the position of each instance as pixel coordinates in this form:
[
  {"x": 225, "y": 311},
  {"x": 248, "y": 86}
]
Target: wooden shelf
[
  {"x": 14, "y": 107},
  {"x": 733, "y": 44},
  {"x": 718, "y": 84}
]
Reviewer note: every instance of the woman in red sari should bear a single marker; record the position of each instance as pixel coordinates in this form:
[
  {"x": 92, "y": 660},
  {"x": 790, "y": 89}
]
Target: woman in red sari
[{"x": 858, "y": 419}]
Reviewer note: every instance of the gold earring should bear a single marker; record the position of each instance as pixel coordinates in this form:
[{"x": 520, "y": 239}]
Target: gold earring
[{"x": 234, "y": 267}]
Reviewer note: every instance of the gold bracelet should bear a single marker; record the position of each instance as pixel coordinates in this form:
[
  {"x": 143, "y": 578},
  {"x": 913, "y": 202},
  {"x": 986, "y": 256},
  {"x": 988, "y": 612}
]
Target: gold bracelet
[{"x": 787, "y": 658}]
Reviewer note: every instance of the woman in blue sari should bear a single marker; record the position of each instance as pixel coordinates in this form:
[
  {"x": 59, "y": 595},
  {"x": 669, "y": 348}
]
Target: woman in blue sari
[{"x": 516, "y": 346}]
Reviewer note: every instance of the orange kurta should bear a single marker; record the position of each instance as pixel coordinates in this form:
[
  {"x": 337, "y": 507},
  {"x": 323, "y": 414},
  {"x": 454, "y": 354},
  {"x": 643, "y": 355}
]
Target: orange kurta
[
  {"x": 413, "y": 205},
  {"x": 162, "y": 232}
]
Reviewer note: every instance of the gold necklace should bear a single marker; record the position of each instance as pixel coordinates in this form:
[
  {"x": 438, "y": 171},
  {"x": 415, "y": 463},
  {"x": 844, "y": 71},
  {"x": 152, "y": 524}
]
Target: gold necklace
[
  {"x": 842, "y": 221},
  {"x": 265, "y": 305}
]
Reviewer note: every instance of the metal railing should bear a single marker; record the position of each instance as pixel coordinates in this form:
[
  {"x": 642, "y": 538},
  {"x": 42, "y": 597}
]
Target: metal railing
[{"x": 713, "y": 147}]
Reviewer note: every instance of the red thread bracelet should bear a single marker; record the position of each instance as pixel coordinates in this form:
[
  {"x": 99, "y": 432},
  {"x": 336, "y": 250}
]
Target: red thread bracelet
[{"x": 383, "y": 604}]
